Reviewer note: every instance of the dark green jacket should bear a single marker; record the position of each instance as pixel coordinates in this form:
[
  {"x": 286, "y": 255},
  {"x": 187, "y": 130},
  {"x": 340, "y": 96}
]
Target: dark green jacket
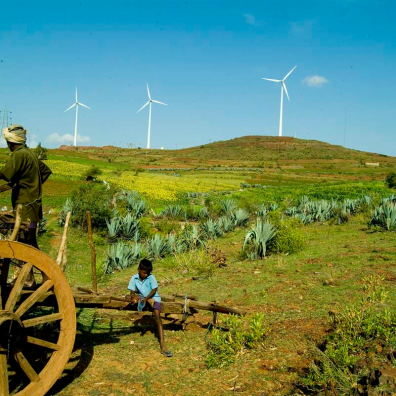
[{"x": 26, "y": 174}]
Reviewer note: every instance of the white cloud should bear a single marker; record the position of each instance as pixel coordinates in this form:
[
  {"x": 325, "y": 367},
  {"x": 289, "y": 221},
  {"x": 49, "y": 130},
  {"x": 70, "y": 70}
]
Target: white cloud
[
  {"x": 67, "y": 138},
  {"x": 249, "y": 19},
  {"x": 315, "y": 81}
]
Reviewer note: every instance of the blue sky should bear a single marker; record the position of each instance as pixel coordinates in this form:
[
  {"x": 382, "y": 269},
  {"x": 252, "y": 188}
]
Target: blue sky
[{"x": 205, "y": 59}]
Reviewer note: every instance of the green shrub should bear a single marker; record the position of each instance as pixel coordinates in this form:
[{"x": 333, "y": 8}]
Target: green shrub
[
  {"x": 89, "y": 196},
  {"x": 390, "y": 180},
  {"x": 356, "y": 332},
  {"x": 233, "y": 336},
  {"x": 194, "y": 263},
  {"x": 289, "y": 238},
  {"x": 91, "y": 173},
  {"x": 41, "y": 152}
]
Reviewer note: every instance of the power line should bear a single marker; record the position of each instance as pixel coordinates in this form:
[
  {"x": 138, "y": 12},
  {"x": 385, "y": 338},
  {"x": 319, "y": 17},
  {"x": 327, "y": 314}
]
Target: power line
[{"x": 6, "y": 117}]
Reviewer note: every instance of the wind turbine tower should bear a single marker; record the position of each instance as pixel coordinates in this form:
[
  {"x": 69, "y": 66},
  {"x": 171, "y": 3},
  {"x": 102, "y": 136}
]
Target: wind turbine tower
[
  {"x": 77, "y": 103},
  {"x": 283, "y": 87},
  {"x": 149, "y": 123}
]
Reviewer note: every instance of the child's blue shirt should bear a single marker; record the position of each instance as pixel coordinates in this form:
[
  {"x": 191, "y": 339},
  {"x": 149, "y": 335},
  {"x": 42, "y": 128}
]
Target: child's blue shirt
[{"x": 144, "y": 287}]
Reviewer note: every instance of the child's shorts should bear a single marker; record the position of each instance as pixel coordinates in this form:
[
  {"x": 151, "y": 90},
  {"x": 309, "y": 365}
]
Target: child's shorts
[{"x": 157, "y": 305}]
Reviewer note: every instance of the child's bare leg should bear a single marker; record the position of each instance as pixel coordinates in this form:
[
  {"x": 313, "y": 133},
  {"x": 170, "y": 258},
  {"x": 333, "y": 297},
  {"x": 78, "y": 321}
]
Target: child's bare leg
[{"x": 158, "y": 320}]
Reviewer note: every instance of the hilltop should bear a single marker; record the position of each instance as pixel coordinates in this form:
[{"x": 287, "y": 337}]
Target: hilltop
[{"x": 251, "y": 151}]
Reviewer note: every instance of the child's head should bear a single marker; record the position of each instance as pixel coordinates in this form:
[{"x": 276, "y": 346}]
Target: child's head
[{"x": 145, "y": 268}]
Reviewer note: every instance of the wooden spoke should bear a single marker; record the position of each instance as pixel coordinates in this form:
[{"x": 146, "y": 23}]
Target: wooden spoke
[
  {"x": 26, "y": 367},
  {"x": 45, "y": 344},
  {"x": 4, "y": 268},
  {"x": 18, "y": 286},
  {"x": 42, "y": 320},
  {"x": 3, "y": 374},
  {"x": 31, "y": 300}
]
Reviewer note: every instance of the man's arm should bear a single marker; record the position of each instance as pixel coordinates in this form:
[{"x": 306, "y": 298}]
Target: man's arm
[
  {"x": 8, "y": 171},
  {"x": 44, "y": 171}
]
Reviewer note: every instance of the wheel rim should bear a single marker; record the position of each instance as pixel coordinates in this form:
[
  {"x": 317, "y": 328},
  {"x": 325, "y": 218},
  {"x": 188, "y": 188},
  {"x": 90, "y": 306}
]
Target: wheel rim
[{"x": 18, "y": 313}]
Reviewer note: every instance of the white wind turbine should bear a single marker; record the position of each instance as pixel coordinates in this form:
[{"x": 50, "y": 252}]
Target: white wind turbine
[
  {"x": 281, "y": 104},
  {"x": 76, "y": 104},
  {"x": 149, "y": 124}
]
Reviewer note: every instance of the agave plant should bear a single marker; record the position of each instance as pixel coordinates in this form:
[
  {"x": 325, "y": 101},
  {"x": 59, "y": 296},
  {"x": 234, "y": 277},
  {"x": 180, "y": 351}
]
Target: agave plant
[
  {"x": 258, "y": 237},
  {"x": 172, "y": 212},
  {"x": 137, "y": 251},
  {"x": 174, "y": 243},
  {"x": 203, "y": 213},
  {"x": 227, "y": 206},
  {"x": 366, "y": 200},
  {"x": 192, "y": 239},
  {"x": 273, "y": 206},
  {"x": 262, "y": 211},
  {"x": 157, "y": 246},
  {"x": 226, "y": 224},
  {"x": 129, "y": 227},
  {"x": 67, "y": 207},
  {"x": 240, "y": 218},
  {"x": 390, "y": 199},
  {"x": 211, "y": 229},
  {"x": 119, "y": 256},
  {"x": 385, "y": 216},
  {"x": 113, "y": 229}
]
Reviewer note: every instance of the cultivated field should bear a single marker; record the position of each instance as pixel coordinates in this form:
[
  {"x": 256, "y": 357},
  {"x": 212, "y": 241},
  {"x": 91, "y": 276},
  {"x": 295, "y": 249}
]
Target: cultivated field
[{"x": 293, "y": 230}]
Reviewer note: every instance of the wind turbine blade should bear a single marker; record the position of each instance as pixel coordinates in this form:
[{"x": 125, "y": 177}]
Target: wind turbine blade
[
  {"x": 83, "y": 105},
  {"x": 156, "y": 101},
  {"x": 270, "y": 79},
  {"x": 70, "y": 107},
  {"x": 144, "y": 106},
  {"x": 148, "y": 92},
  {"x": 284, "y": 86},
  {"x": 290, "y": 72},
  {"x": 76, "y": 95}
]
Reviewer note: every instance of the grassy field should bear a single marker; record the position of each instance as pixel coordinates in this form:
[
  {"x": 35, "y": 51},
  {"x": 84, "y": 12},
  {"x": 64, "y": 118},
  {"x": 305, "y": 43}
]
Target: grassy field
[{"x": 117, "y": 353}]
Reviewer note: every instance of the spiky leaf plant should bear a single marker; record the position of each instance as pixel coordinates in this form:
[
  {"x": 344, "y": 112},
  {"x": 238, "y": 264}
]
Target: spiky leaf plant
[
  {"x": 211, "y": 229},
  {"x": 119, "y": 256},
  {"x": 385, "y": 217},
  {"x": 226, "y": 224},
  {"x": 258, "y": 238},
  {"x": 157, "y": 247},
  {"x": 227, "y": 206},
  {"x": 113, "y": 229},
  {"x": 240, "y": 218},
  {"x": 172, "y": 212},
  {"x": 129, "y": 227}
]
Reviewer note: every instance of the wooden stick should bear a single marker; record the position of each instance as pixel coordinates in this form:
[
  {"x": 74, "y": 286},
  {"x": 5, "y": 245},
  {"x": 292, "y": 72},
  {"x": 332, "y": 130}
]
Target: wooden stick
[
  {"x": 18, "y": 222},
  {"x": 93, "y": 253},
  {"x": 62, "y": 247}
]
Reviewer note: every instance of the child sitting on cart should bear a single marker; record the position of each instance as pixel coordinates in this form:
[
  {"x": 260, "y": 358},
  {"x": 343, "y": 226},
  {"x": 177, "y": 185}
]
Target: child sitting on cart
[{"x": 144, "y": 286}]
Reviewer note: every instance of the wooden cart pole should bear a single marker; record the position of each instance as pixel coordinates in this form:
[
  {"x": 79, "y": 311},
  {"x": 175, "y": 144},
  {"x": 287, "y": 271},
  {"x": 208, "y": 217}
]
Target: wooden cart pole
[
  {"x": 61, "y": 261},
  {"x": 93, "y": 253}
]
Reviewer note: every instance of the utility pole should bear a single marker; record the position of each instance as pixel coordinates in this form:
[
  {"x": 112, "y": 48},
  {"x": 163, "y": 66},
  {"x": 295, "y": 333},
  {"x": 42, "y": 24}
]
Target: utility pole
[{"x": 6, "y": 118}]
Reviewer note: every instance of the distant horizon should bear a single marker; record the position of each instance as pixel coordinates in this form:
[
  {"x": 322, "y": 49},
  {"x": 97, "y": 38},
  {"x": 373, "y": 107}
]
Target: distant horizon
[{"x": 205, "y": 144}]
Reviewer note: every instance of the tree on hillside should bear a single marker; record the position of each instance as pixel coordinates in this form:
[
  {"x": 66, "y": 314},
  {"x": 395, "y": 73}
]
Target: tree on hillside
[
  {"x": 390, "y": 180},
  {"x": 41, "y": 152}
]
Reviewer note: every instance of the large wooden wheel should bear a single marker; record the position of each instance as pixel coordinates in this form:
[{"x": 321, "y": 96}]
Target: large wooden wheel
[{"x": 37, "y": 325}]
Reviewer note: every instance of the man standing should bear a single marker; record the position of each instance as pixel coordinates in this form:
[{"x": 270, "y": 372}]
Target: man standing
[{"x": 26, "y": 174}]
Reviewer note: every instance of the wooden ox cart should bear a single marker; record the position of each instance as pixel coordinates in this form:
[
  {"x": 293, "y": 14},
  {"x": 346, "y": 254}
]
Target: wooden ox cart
[{"x": 38, "y": 323}]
